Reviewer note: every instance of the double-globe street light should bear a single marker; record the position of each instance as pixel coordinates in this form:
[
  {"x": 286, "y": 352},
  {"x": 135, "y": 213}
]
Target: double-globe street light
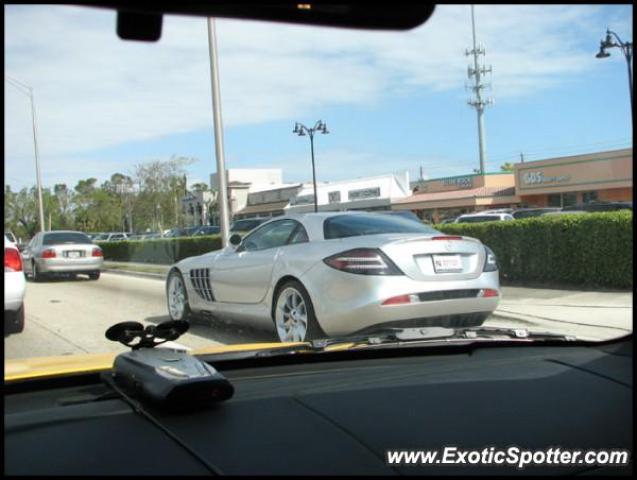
[
  {"x": 301, "y": 130},
  {"x": 27, "y": 90},
  {"x": 627, "y": 50}
]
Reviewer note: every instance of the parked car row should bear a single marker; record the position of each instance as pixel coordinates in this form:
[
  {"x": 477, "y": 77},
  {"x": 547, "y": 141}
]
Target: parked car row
[{"x": 505, "y": 214}]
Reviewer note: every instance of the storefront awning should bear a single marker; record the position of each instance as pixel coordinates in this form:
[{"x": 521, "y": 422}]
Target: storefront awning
[{"x": 458, "y": 198}]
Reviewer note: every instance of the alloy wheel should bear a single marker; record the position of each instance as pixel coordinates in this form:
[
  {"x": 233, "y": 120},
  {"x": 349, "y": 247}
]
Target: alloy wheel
[
  {"x": 176, "y": 298},
  {"x": 291, "y": 316}
]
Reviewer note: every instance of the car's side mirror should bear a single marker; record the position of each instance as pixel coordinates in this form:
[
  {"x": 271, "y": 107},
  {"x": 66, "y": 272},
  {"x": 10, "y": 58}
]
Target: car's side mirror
[
  {"x": 235, "y": 240},
  {"x": 21, "y": 247}
]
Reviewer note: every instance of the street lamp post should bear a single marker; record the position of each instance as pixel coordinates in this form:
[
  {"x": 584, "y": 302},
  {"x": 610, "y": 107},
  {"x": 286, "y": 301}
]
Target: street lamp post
[
  {"x": 27, "y": 90},
  {"x": 627, "y": 50},
  {"x": 301, "y": 130}
]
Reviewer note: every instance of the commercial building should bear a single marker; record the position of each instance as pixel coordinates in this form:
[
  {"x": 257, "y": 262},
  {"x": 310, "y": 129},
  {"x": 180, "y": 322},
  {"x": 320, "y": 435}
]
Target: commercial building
[
  {"x": 437, "y": 199},
  {"x": 370, "y": 193},
  {"x": 197, "y": 207},
  {"x": 241, "y": 182},
  {"x": 576, "y": 180},
  {"x": 554, "y": 182}
]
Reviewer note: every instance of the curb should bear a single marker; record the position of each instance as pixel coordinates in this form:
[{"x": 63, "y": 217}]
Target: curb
[
  {"x": 131, "y": 273},
  {"x": 514, "y": 317}
]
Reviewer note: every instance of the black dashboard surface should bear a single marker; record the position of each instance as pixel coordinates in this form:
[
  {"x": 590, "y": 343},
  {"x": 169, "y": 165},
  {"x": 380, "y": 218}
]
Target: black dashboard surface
[{"x": 341, "y": 417}]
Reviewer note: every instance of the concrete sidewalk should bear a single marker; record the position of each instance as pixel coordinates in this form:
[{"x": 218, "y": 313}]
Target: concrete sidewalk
[
  {"x": 152, "y": 270},
  {"x": 589, "y": 315}
]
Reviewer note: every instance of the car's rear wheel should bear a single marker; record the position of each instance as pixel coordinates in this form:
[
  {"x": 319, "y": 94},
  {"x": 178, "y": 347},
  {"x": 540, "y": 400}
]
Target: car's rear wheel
[
  {"x": 177, "y": 297},
  {"x": 14, "y": 321},
  {"x": 94, "y": 275},
  {"x": 36, "y": 276},
  {"x": 293, "y": 314}
]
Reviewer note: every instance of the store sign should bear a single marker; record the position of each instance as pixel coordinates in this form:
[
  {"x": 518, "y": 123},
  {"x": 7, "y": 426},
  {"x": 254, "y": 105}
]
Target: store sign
[
  {"x": 459, "y": 182},
  {"x": 538, "y": 178},
  {"x": 334, "y": 197},
  {"x": 363, "y": 193}
]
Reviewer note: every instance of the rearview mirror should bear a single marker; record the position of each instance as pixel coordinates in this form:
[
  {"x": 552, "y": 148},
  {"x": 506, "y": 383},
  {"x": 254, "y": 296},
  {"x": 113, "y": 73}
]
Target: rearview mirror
[{"x": 235, "y": 239}]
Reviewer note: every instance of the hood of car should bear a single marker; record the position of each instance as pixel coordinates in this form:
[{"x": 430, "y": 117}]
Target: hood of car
[{"x": 48, "y": 367}]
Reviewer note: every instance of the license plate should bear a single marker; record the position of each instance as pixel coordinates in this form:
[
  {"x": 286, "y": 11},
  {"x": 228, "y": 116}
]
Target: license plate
[
  {"x": 74, "y": 254},
  {"x": 447, "y": 263}
]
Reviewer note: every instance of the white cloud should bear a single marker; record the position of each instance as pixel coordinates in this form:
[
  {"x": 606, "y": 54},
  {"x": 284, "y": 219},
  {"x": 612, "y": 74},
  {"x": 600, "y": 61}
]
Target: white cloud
[{"x": 93, "y": 90}]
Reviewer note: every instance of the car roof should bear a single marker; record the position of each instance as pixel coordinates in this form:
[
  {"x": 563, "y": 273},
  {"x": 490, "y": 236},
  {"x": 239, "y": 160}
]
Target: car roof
[{"x": 490, "y": 214}]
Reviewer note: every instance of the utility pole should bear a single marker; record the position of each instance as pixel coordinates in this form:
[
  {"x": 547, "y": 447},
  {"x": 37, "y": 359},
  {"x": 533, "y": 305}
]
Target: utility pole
[
  {"x": 521, "y": 157},
  {"x": 28, "y": 90},
  {"x": 224, "y": 220},
  {"x": 477, "y": 72}
]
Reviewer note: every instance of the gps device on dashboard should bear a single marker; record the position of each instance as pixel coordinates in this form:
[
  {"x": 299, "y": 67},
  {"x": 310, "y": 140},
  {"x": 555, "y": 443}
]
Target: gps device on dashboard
[{"x": 167, "y": 377}]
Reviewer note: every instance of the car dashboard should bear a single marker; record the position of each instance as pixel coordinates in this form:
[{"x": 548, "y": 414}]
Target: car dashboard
[{"x": 339, "y": 416}]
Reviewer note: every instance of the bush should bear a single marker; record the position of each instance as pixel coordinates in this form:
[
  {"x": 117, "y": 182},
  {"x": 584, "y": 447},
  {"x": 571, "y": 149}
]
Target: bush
[
  {"x": 166, "y": 251},
  {"x": 594, "y": 249}
]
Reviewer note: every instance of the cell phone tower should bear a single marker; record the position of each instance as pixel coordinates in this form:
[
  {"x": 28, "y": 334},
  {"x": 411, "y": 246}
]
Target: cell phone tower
[{"x": 479, "y": 102}]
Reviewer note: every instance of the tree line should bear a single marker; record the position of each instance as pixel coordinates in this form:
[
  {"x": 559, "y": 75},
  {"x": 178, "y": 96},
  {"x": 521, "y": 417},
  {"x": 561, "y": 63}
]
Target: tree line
[{"x": 147, "y": 200}]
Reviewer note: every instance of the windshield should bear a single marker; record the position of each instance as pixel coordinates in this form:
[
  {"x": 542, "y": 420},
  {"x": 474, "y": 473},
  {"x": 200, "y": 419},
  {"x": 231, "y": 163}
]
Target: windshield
[
  {"x": 365, "y": 146},
  {"x": 65, "y": 237},
  {"x": 343, "y": 226}
]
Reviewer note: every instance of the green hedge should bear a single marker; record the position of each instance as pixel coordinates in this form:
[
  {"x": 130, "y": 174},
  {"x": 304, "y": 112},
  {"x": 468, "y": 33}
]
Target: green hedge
[
  {"x": 167, "y": 251},
  {"x": 595, "y": 249}
]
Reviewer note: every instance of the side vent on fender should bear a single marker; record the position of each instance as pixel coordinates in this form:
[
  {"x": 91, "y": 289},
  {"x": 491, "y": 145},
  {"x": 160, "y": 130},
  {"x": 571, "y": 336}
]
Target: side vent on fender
[{"x": 200, "y": 279}]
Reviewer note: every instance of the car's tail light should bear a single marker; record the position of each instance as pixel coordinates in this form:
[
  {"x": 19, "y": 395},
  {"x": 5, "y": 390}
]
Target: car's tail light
[
  {"x": 490, "y": 262},
  {"x": 447, "y": 237},
  {"x": 488, "y": 292},
  {"x": 97, "y": 252},
  {"x": 49, "y": 253},
  {"x": 363, "y": 261},
  {"x": 402, "y": 300},
  {"x": 12, "y": 260}
]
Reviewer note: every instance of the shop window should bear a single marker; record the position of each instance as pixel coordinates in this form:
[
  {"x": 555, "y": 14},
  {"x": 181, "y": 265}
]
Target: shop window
[
  {"x": 555, "y": 200},
  {"x": 588, "y": 197},
  {"x": 569, "y": 199}
]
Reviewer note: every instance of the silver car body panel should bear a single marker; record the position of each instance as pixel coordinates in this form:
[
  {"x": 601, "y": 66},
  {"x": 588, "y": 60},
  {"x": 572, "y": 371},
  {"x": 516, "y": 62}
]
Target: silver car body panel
[{"x": 242, "y": 284}]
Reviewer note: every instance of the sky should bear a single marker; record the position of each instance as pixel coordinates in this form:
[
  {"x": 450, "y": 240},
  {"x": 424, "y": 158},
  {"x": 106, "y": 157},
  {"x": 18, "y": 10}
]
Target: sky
[{"x": 392, "y": 101}]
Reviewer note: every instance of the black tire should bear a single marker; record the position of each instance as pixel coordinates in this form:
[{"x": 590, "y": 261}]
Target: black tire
[
  {"x": 187, "y": 314},
  {"x": 14, "y": 321},
  {"x": 94, "y": 275},
  {"x": 36, "y": 276},
  {"x": 314, "y": 330}
]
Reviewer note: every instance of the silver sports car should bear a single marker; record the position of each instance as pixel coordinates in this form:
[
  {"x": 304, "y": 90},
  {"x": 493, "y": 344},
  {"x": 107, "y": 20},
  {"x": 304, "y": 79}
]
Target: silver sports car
[{"x": 330, "y": 274}]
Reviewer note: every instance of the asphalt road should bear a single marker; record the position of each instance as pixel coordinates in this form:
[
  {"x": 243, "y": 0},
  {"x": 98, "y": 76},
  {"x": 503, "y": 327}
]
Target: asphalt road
[{"x": 67, "y": 316}]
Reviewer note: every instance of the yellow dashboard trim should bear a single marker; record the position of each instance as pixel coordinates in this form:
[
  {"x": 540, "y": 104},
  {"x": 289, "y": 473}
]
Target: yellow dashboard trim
[{"x": 47, "y": 367}]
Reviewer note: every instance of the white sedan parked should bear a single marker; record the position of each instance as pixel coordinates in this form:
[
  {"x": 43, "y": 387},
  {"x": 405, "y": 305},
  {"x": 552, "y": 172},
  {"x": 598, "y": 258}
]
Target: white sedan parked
[
  {"x": 314, "y": 275},
  {"x": 14, "y": 288}
]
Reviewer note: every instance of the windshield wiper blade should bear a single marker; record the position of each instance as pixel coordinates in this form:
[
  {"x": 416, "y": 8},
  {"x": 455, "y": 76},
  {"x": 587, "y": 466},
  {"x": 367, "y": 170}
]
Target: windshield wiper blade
[
  {"x": 398, "y": 336},
  {"x": 440, "y": 334}
]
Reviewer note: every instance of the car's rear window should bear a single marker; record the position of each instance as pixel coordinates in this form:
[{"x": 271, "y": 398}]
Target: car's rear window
[
  {"x": 61, "y": 238},
  {"x": 342, "y": 226},
  {"x": 481, "y": 218}
]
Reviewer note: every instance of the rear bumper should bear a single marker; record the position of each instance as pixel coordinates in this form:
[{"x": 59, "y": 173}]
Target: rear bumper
[
  {"x": 346, "y": 303},
  {"x": 61, "y": 265},
  {"x": 14, "y": 288}
]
